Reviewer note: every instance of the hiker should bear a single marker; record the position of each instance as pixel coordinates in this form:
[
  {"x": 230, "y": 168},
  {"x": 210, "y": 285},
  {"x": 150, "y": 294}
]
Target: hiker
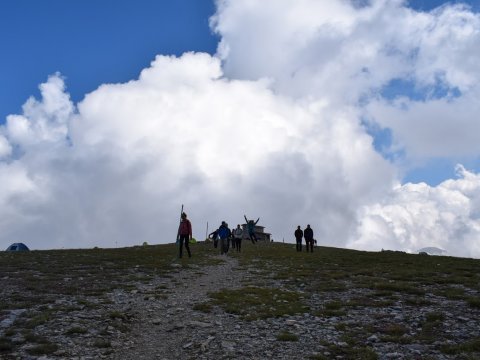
[
  {"x": 184, "y": 234},
  {"x": 214, "y": 237},
  {"x": 238, "y": 235},
  {"x": 298, "y": 237},
  {"x": 223, "y": 233},
  {"x": 308, "y": 235},
  {"x": 231, "y": 239},
  {"x": 251, "y": 229}
]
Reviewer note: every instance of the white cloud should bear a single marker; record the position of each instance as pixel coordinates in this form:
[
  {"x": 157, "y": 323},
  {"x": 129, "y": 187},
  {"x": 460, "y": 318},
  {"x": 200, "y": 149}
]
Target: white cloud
[
  {"x": 414, "y": 216},
  {"x": 45, "y": 121},
  {"x": 271, "y": 128},
  {"x": 343, "y": 54},
  {"x": 448, "y": 46},
  {"x": 5, "y": 148},
  {"x": 223, "y": 147},
  {"x": 445, "y": 53},
  {"x": 445, "y": 127},
  {"x": 331, "y": 50}
]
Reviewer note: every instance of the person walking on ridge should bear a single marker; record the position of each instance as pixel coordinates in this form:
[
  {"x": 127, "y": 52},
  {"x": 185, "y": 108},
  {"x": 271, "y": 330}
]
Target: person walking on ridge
[
  {"x": 298, "y": 237},
  {"x": 251, "y": 229},
  {"x": 184, "y": 234},
  {"x": 238, "y": 234},
  {"x": 214, "y": 236},
  {"x": 308, "y": 235},
  {"x": 223, "y": 233}
]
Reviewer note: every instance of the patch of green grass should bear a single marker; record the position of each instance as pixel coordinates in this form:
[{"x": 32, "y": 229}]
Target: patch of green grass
[
  {"x": 382, "y": 293},
  {"x": 118, "y": 315},
  {"x": 396, "y": 286},
  {"x": 161, "y": 296},
  {"x": 10, "y": 332},
  {"x": 452, "y": 293},
  {"x": 332, "y": 309},
  {"x": 333, "y": 305},
  {"x": 396, "y": 333},
  {"x": 130, "y": 287},
  {"x": 435, "y": 316},
  {"x": 42, "y": 349},
  {"x": 120, "y": 326},
  {"x": 287, "y": 336},
  {"x": 360, "y": 302},
  {"x": 351, "y": 353},
  {"x": 88, "y": 304},
  {"x": 430, "y": 332},
  {"x": 102, "y": 343},
  {"x": 203, "y": 307},
  {"x": 34, "y": 338},
  {"x": 473, "y": 302},
  {"x": 253, "y": 303},
  {"x": 471, "y": 346},
  {"x": 37, "y": 320},
  {"x": 328, "y": 286},
  {"x": 76, "y": 330},
  {"x": 395, "y": 330}
]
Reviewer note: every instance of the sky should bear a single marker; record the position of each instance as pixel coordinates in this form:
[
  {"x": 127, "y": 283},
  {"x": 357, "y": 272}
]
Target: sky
[{"x": 354, "y": 116}]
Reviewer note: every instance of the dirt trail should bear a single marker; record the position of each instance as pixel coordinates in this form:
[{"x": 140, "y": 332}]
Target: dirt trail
[{"x": 163, "y": 328}]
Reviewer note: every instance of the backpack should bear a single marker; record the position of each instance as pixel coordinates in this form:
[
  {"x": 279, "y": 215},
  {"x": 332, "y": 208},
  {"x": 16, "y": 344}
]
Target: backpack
[{"x": 224, "y": 232}]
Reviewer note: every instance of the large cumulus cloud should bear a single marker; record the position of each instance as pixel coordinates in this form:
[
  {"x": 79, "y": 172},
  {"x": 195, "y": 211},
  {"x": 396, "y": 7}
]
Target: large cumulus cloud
[
  {"x": 273, "y": 126},
  {"x": 116, "y": 170},
  {"x": 348, "y": 54}
]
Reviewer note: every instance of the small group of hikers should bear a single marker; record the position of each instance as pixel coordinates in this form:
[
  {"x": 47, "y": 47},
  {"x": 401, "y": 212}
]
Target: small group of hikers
[
  {"x": 224, "y": 236},
  {"x": 308, "y": 235}
]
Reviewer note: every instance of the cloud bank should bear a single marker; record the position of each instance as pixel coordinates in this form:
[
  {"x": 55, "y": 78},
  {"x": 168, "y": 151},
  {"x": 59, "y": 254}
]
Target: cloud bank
[
  {"x": 273, "y": 126},
  {"x": 413, "y": 215}
]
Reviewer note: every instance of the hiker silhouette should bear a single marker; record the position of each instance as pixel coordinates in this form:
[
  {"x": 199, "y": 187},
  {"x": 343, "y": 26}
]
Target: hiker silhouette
[
  {"x": 184, "y": 234},
  {"x": 251, "y": 229},
  {"x": 298, "y": 237},
  {"x": 223, "y": 234},
  {"x": 308, "y": 235}
]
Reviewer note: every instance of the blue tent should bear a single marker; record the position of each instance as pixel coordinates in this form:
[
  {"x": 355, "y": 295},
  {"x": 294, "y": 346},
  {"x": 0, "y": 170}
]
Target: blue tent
[{"x": 18, "y": 247}]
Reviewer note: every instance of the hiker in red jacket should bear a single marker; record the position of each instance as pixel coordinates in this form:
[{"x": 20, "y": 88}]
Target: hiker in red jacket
[{"x": 184, "y": 234}]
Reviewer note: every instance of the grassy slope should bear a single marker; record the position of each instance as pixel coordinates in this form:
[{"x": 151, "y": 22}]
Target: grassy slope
[{"x": 284, "y": 282}]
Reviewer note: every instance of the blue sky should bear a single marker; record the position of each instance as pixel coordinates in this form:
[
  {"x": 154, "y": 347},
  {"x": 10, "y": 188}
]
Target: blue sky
[
  {"x": 426, "y": 5},
  {"x": 92, "y": 42},
  {"x": 316, "y": 79}
]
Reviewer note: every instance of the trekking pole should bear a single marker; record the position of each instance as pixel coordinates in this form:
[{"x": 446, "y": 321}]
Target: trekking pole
[{"x": 206, "y": 232}]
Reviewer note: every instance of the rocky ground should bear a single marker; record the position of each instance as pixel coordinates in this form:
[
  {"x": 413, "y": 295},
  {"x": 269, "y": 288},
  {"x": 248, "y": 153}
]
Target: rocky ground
[
  {"x": 166, "y": 317},
  {"x": 171, "y": 329}
]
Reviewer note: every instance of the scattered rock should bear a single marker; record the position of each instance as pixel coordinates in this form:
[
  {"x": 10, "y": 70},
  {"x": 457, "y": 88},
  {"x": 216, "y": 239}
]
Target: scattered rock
[
  {"x": 125, "y": 326},
  {"x": 200, "y": 324}
]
